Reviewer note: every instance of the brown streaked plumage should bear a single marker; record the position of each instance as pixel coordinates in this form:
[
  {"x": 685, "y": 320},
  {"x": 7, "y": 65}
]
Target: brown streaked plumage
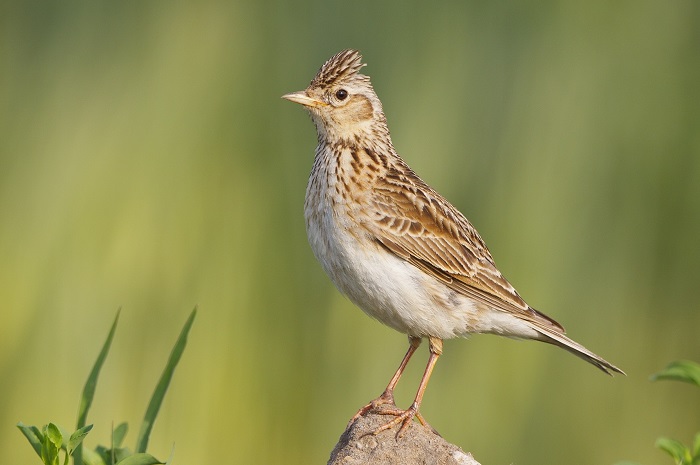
[{"x": 393, "y": 245}]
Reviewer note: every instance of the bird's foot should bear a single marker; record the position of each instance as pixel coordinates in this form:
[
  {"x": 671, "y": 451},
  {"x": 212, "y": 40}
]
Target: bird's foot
[
  {"x": 403, "y": 417},
  {"x": 387, "y": 398}
]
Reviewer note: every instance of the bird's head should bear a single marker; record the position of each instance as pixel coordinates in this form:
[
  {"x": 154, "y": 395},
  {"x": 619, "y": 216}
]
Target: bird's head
[{"x": 341, "y": 101}]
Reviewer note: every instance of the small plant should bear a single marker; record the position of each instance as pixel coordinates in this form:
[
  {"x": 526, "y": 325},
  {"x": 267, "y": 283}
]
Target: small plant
[
  {"x": 50, "y": 440},
  {"x": 688, "y": 372}
]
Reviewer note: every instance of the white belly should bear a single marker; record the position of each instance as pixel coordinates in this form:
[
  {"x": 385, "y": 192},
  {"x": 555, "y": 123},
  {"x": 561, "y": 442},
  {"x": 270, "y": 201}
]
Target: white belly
[{"x": 383, "y": 285}]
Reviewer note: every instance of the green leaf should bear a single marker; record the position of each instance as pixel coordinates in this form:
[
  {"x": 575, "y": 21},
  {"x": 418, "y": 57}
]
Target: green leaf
[
  {"x": 162, "y": 387},
  {"x": 119, "y": 433},
  {"x": 91, "y": 383},
  {"x": 51, "y": 444},
  {"x": 140, "y": 459},
  {"x": 54, "y": 434},
  {"x": 89, "y": 389},
  {"x": 121, "y": 453},
  {"x": 673, "y": 448},
  {"x": 696, "y": 446},
  {"x": 77, "y": 437},
  {"x": 48, "y": 454},
  {"x": 33, "y": 435},
  {"x": 90, "y": 457},
  {"x": 680, "y": 370},
  {"x": 104, "y": 454}
]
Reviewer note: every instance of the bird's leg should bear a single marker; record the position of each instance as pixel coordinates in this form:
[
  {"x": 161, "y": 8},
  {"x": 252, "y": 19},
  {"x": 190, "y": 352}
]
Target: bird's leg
[
  {"x": 405, "y": 416},
  {"x": 387, "y": 396}
]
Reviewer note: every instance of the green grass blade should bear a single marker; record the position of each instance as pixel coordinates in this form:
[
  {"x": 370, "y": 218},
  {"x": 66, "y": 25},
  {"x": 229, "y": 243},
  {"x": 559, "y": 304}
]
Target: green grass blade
[
  {"x": 89, "y": 389},
  {"x": 119, "y": 433},
  {"x": 162, "y": 387},
  {"x": 91, "y": 383},
  {"x": 33, "y": 435}
]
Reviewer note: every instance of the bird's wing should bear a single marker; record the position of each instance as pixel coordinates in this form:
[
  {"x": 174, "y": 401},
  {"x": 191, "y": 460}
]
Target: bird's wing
[{"x": 417, "y": 224}]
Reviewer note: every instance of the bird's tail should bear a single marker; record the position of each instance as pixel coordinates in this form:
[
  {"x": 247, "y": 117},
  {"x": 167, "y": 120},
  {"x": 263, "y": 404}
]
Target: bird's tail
[{"x": 552, "y": 336}]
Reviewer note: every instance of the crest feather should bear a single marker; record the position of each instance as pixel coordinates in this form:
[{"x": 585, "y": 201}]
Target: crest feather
[{"x": 340, "y": 66}]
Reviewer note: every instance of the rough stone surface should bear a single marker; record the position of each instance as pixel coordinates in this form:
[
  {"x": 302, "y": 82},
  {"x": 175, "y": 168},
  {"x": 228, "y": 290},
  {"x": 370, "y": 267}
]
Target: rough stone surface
[{"x": 419, "y": 445}]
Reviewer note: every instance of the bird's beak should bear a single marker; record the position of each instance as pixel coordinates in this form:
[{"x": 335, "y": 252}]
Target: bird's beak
[{"x": 302, "y": 98}]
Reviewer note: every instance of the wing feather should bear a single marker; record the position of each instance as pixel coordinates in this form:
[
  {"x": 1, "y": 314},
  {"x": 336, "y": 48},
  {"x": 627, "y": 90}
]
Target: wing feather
[{"x": 417, "y": 224}]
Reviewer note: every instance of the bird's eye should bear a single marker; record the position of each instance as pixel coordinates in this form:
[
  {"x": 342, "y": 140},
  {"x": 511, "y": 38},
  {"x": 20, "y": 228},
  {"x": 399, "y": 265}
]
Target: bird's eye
[{"x": 341, "y": 94}]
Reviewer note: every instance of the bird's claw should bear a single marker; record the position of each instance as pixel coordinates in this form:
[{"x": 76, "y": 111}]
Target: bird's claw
[
  {"x": 387, "y": 398},
  {"x": 404, "y": 417}
]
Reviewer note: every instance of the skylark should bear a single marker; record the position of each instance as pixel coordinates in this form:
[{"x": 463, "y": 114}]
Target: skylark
[{"x": 393, "y": 245}]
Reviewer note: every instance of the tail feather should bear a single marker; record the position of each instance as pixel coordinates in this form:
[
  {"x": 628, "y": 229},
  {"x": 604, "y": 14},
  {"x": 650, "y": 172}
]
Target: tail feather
[{"x": 559, "y": 339}]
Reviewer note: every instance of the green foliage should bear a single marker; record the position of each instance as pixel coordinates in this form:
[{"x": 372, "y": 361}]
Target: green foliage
[
  {"x": 680, "y": 370},
  {"x": 90, "y": 385},
  {"x": 162, "y": 387},
  {"x": 49, "y": 441},
  {"x": 682, "y": 454},
  {"x": 688, "y": 372}
]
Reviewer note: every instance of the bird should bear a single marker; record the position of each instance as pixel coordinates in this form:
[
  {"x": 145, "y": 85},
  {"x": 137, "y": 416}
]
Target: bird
[{"x": 397, "y": 248}]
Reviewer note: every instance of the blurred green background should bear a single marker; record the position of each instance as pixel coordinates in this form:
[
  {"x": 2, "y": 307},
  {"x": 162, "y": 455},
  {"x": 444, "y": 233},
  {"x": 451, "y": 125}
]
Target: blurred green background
[{"x": 148, "y": 162}]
